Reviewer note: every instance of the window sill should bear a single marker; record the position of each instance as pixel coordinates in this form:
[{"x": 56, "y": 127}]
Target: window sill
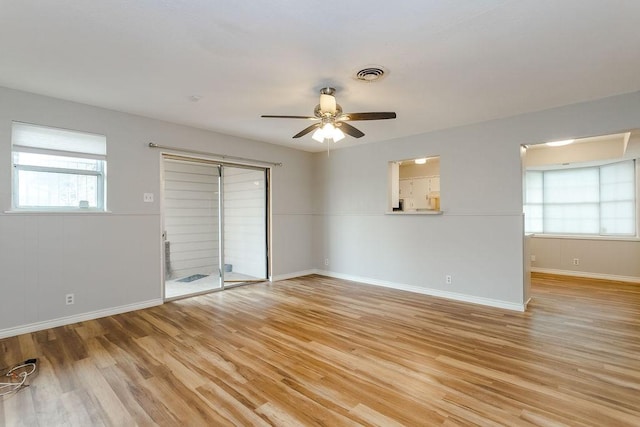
[
  {"x": 55, "y": 212},
  {"x": 584, "y": 237},
  {"x": 416, "y": 212}
]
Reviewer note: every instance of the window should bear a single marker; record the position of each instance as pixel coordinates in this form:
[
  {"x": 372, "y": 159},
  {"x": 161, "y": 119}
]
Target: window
[
  {"x": 57, "y": 169},
  {"x": 596, "y": 200}
]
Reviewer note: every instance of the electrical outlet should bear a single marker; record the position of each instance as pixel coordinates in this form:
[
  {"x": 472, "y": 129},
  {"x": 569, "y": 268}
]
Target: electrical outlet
[
  {"x": 147, "y": 197},
  {"x": 448, "y": 279},
  {"x": 576, "y": 261},
  {"x": 326, "y": 262},
  {"x": 533, "y": 258},
  {"x": 70, "y": 299}
]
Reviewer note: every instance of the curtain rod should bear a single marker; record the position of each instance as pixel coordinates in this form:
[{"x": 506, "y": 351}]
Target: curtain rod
[{"x": 221, "y": 156}]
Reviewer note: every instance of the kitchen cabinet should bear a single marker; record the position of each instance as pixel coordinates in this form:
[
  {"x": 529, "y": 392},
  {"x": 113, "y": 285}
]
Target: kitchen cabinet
[
  {"x": 405, "y": 188},
  {"x": 420, "y": 191},
  {"x": 415, "y": 191},
  {"x": 434, "y": 183}
]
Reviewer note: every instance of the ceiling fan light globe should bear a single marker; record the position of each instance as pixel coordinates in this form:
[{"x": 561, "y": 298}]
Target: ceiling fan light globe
[
  {"x": 337, "y": 135},
  {"x": 318, "y": 135}
]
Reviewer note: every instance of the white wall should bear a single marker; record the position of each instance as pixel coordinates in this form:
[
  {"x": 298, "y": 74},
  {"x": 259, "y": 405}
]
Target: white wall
[
  {"x": 112, "y": 261},
  {"x": 479, "y": 238}
]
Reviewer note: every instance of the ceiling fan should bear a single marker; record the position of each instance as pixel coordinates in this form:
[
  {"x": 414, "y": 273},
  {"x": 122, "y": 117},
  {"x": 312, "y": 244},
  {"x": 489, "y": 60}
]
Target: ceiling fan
[{"x": 331, "y": 121}]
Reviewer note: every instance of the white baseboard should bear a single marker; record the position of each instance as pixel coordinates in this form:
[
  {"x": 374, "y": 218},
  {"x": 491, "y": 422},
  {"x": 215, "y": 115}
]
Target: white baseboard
[
  {"x": 61, "y": 321},
  {"x": 587, "y": 275},
  {"x": 38, "y": 326},
  {"x": 428, "y": 291},
  {"x": 293, "y": 275}
]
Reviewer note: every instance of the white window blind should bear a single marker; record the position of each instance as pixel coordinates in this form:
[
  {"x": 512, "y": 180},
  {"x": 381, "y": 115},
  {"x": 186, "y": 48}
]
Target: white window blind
[
  {"x": 571, "y": 201},
  {"x": 533, "y": 202},
  {"x": 591, "y": 200},
  {"x": 28, "y": 137},
  {"x": 617, "y": 198}
]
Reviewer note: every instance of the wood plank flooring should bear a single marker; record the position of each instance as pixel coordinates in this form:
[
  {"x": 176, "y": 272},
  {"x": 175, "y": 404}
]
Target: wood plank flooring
[{"x": 321, "y": 351}]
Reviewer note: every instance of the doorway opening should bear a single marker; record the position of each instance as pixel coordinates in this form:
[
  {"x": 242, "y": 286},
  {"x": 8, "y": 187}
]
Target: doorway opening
[{"x": 215, "y": 225}]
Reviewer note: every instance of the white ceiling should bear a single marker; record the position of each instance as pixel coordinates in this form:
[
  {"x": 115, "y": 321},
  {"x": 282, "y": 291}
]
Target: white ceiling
[{"x": 450, "y": 62}]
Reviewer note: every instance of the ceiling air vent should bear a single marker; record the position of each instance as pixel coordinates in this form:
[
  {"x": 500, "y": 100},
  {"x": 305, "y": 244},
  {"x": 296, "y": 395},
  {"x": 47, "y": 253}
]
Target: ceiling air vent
[{"x": 370, "y": 74}]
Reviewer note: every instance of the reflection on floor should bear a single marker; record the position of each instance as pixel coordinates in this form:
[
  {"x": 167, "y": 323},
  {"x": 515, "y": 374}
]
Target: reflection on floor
[{"x": 174, "y": 288}]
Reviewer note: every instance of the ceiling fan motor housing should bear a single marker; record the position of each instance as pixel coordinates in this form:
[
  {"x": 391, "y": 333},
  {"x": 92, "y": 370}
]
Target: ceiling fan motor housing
[
  {"x": 328, "y": 101},
  {"x": 320, "y": 113},
  {"x": 328, "y": 91}
]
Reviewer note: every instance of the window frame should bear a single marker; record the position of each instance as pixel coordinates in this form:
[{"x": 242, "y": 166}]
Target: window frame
[{"x": 100, "y": 174}]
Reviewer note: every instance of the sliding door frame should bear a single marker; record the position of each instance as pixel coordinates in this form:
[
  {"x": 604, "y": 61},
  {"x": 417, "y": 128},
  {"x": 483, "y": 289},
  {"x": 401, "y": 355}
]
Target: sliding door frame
[
  {"x": 267, "y": 212},
  {"x": 221, "y": 247}
]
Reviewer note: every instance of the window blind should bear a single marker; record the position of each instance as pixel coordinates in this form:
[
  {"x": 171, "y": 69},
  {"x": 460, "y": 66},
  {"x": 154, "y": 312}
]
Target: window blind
[
  {"x": 47, "y": 140},
  {"x": 596, "y": 200}
]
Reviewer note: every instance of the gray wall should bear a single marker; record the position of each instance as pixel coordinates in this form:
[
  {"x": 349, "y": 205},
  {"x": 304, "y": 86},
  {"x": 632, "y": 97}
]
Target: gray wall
[
  {"x": 479, "y": 238},
  {"x": 322, "y": 208},
  {"x": 615, "y": 259},
  {"x": 112, "y": 261}
]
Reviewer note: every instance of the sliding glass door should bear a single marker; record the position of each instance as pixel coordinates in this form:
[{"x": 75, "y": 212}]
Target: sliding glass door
[
  {"x": 191, "y": 207},
  {"x": 245, "y": 222},
  {"x": 215, "y": 225}
]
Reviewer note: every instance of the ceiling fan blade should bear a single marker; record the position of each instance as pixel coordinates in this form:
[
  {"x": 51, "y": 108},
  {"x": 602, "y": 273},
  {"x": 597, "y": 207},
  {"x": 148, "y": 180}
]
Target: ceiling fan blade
[
  {"x": 306, "y": 130},
  {"x": 289, "y": 117},
  {"x": 350, "y": 130},
  {"x": 368, "y": 116}
]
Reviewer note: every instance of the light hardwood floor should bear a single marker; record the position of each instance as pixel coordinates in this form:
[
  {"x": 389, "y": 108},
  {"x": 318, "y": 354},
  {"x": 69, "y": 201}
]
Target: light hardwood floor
[{"x": 321, "y": 351}]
